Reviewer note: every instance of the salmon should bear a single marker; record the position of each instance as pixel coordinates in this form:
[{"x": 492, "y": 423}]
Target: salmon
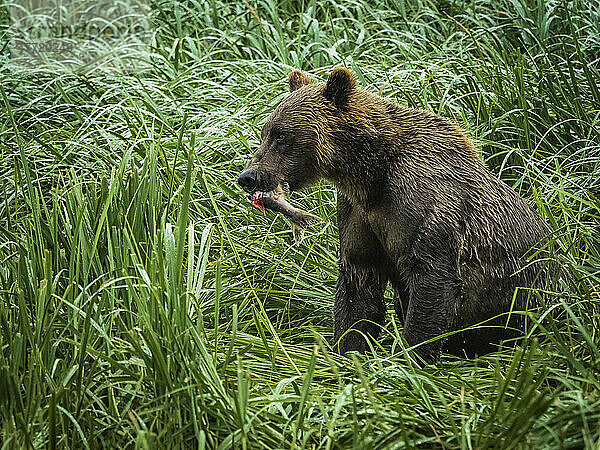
[{"x": 275, "y": 201}]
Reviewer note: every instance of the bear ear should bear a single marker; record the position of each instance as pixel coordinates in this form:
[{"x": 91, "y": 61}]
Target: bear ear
[
  {"x": 297, "y": 79},
  {"x": 338, "y": 87}
]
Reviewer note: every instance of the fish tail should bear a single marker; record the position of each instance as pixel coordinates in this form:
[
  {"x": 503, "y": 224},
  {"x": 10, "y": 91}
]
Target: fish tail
[{"x": 298, "y": 233}]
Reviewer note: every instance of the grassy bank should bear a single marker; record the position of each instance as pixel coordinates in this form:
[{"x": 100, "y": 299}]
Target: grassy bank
[{"x": 144, "y": 303}]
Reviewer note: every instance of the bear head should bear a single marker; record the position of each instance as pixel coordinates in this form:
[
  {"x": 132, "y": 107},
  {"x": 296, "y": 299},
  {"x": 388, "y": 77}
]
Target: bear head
[{"x": 298, "y": 139}]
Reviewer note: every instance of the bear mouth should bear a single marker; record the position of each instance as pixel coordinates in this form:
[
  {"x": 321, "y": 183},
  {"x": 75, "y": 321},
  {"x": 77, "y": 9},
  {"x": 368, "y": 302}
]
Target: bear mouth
[{"x": 283, "y": 187}]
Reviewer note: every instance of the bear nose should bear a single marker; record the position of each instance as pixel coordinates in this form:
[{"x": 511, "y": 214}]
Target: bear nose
[{"x": 248, "y": 180}]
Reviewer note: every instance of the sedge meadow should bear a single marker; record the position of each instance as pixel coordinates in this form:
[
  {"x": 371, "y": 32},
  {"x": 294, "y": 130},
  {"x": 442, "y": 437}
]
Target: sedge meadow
[{"x": 145, "y": 304}]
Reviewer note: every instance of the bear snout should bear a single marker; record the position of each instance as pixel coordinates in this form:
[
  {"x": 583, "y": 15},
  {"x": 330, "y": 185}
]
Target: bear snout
[{"x": 248, "y": 180}]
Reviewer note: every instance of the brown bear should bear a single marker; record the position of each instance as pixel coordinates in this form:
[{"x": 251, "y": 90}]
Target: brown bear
[{"x": 416, "y": 207}]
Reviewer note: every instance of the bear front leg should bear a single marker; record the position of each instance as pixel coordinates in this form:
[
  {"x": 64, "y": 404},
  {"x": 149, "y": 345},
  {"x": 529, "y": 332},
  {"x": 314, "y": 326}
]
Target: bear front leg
[
  {"x": 359, "y": 310},
  {"x": 432, "y": 295}
]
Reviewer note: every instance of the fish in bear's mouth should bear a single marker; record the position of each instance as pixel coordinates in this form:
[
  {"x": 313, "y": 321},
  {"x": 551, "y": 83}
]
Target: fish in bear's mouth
[{"x": 275, "y": 200}]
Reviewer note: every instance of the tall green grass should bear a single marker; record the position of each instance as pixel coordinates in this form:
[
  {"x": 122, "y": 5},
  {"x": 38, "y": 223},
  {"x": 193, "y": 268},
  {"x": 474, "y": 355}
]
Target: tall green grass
[{"x": 144, "y": 303}]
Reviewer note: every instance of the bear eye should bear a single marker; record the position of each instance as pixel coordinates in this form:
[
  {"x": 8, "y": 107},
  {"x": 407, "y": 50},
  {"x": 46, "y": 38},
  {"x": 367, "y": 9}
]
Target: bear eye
[{"x": 280, "y": 137}]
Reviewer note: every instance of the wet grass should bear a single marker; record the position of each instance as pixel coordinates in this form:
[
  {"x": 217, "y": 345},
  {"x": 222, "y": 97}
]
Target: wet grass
[{"x": 144, "y": 303}]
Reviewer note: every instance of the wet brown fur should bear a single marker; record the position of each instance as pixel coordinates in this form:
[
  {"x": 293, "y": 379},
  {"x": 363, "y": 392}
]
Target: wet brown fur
[{"x": 416, "y": 208}]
